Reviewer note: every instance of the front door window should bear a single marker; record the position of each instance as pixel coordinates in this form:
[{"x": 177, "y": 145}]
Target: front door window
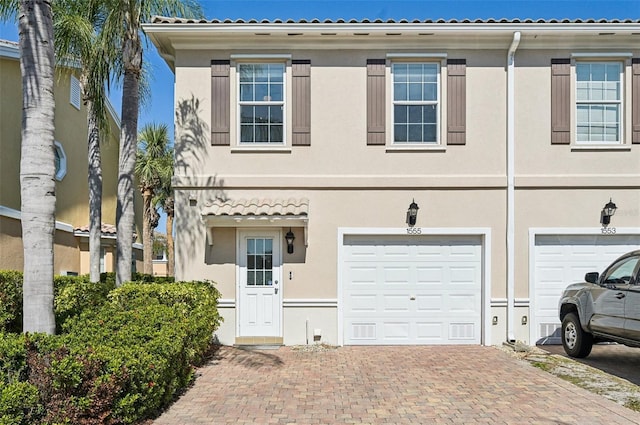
[{"x": 259, "y": 262}]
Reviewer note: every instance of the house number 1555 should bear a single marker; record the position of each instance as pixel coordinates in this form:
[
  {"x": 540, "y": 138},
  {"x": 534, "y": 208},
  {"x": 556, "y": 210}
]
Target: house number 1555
[{"x": 414, "y": 231}]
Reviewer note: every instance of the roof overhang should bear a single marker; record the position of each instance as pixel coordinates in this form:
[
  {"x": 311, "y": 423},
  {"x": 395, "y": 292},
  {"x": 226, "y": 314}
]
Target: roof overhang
[
  {"x": 256, "y": 213},
  {"x": 173, "y": 34}
]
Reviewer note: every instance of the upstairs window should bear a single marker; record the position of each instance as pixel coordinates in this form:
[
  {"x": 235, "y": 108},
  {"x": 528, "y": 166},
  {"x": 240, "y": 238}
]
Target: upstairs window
[
  {"x": 261, "y": 103},
  {"x": 598, "y": 102},
  {"x": 415, "y": 102}
]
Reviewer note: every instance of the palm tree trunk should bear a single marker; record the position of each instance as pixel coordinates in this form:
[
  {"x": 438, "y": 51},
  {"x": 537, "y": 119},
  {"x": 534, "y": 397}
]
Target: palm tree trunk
[
  {"x": 170, "y": 252},
  {"x": 125, "y": 215},
  {"x": 95, "y": 194},
  {"x": 147, "y": 231},
  {"x": 37, "y": 164}
]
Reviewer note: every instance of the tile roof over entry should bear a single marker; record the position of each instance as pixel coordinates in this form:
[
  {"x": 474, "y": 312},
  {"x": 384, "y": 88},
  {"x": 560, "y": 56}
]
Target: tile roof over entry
[
  {"x": 256, "y": 212},
  {"x": 258, "y": 207}
]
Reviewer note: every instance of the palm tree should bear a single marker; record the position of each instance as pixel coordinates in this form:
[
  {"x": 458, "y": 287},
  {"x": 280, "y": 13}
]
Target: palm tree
[
  {"x": 125, "y": 19},
  {"x": 37, "y": 161},
  {"x": 152, "y": 170},
  {"x": 164, "y": 199},
  {"x": 78, "y": 38}
]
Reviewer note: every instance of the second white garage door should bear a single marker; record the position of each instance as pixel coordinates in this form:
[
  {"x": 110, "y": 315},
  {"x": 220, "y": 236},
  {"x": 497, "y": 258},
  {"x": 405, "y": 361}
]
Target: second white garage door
[
  {"x": 412, "y": 290},
  {"x": 560, "y": 260}
]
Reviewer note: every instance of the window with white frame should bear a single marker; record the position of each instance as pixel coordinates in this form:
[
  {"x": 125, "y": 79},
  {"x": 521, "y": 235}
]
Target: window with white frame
[
  {"x": 103, "y": 260},
  {"x": 60, "y": 160},
  {"x": 598, "y": 102},
  {"x": 415, "y": 102},
  {"x": 261, "y": 103}
]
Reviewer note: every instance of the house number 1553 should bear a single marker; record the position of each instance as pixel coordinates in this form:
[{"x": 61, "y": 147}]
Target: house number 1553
[
  {"x": 608, "y": 230},
  {"x": 414, "y": 231}
]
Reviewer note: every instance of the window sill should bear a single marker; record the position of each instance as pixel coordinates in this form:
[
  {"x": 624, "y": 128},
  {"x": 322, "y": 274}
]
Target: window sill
[
  {"x": 600, "y": 148},
  {"x": 416, "y": 148},
  {"x": 261, "y": 149}
]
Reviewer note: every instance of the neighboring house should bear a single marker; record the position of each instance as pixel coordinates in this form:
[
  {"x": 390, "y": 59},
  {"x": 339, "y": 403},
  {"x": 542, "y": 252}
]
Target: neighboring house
[
  {"x": 71, "y": 250},
  {"x": 160, "y": 260},
  {"x": 509, "y": 136}
]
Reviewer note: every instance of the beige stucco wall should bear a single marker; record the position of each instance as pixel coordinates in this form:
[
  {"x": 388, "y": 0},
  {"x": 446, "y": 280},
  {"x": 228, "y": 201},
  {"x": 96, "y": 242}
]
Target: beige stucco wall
[
  {"x": 338, "y": 122},
  {"x": 350, "y": 184}
]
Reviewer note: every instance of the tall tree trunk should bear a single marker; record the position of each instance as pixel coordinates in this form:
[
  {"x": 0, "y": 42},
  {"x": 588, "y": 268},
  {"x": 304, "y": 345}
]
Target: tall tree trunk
[
  {"x": 147, "y": 231},
  {"x": 95, "y": 194},
  {"x": 170, "y": 252},
  {"x": 125, "y": 214},
  {"x": 37, "y": 164}
]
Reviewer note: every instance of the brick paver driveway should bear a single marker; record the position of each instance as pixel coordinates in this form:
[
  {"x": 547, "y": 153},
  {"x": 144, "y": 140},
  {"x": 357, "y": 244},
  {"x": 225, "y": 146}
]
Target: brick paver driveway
[{"x": 385, "y": 385}]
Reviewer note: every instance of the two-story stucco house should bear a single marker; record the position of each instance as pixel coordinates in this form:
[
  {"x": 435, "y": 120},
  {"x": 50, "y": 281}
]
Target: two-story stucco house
[
  {"x": 71, "y": 242},
  {"x": 401, "y": 182}
]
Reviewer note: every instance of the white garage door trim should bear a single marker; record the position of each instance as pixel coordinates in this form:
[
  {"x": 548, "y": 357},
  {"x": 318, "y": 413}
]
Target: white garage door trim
[
  {"x": 485, "y": 240},
  {"x": 534, "y": 233}
]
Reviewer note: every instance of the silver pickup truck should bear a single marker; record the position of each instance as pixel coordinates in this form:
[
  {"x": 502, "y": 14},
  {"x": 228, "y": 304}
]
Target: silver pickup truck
[{"x": 605, "y": 307}]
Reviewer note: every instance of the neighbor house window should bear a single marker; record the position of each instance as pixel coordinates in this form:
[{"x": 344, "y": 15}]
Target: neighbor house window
[
  {"x": 415, "y": 102},
  {"x": 261, "y": 102},
  {"x": 61, "y": 161},
  {"x": 103, "y": 260},
  {"x": 598, "y": 102}
]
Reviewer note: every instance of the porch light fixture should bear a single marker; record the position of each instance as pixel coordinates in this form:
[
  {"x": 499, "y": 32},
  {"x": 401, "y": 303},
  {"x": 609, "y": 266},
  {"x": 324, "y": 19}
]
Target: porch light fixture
[
  {"x": 412, "y": 213},
  {"x": 606, "y": 213},
  {"x": 289, "y": 237}
]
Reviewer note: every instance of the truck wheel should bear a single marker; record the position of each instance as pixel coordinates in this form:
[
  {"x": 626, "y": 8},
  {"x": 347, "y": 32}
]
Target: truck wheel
[{"x": 576, "y": 342}]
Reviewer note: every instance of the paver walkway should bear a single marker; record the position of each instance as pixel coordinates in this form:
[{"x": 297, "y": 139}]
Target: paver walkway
[{"x": 385, "y": 385}]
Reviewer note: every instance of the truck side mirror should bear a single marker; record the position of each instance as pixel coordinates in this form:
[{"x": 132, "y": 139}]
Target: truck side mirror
[{"x": 591, "y": 277}]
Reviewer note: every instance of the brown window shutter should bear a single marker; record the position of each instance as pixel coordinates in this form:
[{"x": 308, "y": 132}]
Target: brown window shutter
[
  {"x": 220, "y": 102},
  {"x": 301, "y": 113},
  {"x": 635, "y": 99},
  {"x": 376, "y": 101},
  {"x": 456, "y": 101},
  {"x": 561, "y": 101}
]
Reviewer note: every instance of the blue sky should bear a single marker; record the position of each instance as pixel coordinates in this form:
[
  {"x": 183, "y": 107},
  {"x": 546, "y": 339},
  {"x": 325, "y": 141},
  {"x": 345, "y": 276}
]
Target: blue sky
[{"x": 160, "y": 107}]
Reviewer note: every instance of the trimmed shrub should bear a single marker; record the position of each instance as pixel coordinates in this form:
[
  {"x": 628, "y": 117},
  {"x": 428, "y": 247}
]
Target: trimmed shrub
[
  {"x": 148, "y": 337},
  {"x": 10, "y": 300},
  {"x": 74, "y": 294},
  {"x": 117, "y": 362},
  {"x": 19, "y": 404}
]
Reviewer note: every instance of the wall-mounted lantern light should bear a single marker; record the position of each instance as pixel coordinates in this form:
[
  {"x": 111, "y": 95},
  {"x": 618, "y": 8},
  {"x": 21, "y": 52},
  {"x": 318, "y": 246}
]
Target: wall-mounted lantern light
[
  {"x": 289, "y": 237},
  {"x": 607, "y": 212},
  {"x": 412, "y": 213}
]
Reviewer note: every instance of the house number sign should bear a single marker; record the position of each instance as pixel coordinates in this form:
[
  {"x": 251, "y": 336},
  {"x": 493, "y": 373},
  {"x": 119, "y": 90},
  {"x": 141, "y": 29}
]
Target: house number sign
[
  {"x": 414, "y": 230},
  {"x": 608, "y": 230}
]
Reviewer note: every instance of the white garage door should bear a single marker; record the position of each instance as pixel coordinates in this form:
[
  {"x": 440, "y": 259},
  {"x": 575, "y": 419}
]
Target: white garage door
[
  {"x": 412, "y": 290},
  {"x": 562, "y": 260}
]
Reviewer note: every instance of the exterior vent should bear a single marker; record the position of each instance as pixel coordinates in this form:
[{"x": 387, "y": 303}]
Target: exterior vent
[
  {"x": 74, "y": 95},
  {"x": 461, "y": 331},
  {"x": 363, "y": 331},
  {"x": 550, "y": 331}
]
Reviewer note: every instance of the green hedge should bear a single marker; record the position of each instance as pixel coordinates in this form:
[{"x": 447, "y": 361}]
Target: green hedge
[
  {"x": 117, "y": 363},
  {"x": 72, "y": 294},
  {"x": 10, "y": 300}
]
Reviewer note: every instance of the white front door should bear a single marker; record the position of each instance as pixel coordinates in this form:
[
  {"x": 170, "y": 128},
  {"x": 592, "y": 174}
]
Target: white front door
[{"x": 260, "y": 287}]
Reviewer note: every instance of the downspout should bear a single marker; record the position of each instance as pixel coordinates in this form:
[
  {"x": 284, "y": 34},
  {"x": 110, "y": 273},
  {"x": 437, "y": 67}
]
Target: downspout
[{"x": 511, "y": 217}]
